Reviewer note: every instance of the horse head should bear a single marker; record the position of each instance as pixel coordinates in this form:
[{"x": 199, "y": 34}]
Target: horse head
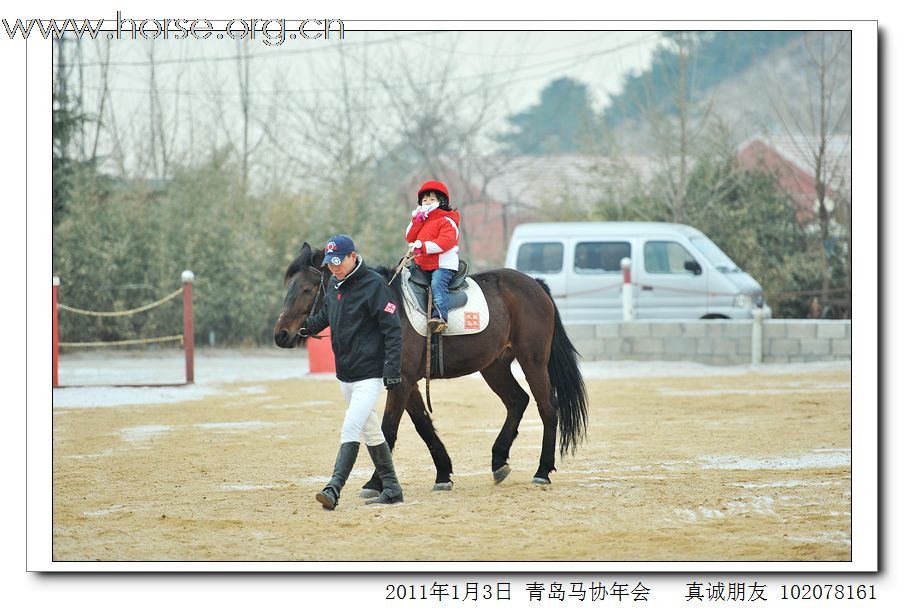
[{"x": 304, "y": 282}]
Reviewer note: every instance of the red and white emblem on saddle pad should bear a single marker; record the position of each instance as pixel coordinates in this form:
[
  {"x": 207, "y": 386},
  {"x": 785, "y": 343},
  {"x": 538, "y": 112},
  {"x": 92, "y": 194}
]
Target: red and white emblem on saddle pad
[
  {"x": 472, "y": 320},
  {"x": 390, "y": 308}
]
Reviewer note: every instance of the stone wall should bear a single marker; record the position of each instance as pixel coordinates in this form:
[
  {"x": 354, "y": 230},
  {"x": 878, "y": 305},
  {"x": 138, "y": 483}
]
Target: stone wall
[{"x": 713, "y": 341}]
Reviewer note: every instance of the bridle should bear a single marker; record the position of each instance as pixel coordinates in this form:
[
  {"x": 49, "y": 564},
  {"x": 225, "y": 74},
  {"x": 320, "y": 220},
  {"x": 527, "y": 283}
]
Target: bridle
[{"x": 320, "y": 295}]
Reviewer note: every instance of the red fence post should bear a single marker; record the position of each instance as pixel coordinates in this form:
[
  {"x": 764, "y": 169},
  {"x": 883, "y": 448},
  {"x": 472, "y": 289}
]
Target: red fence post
[
  {"x": 56, "y": 332},
  {"x": 188, "y": 332}
]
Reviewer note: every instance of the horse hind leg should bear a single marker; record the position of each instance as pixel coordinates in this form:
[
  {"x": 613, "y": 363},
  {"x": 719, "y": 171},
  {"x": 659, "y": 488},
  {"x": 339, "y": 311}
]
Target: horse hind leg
[
  {"x": 498, "y": 376},
  {"x": 538, "y": 380}
]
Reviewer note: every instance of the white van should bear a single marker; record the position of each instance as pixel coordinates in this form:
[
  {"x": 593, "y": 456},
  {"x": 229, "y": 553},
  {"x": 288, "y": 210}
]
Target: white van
[{"x": 676, "y": 271}]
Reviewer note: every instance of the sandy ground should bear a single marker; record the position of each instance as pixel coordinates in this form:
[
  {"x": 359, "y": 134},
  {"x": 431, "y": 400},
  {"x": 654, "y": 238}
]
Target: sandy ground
[{"x": 744, "y": 464}]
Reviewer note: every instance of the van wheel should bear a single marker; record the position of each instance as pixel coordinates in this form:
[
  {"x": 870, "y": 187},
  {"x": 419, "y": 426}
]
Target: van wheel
[{"x": 713, "y": 316}]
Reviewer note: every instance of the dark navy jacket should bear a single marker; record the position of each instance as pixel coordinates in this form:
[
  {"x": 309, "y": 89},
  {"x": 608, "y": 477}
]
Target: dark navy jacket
[{"x": 364, "y": 326}]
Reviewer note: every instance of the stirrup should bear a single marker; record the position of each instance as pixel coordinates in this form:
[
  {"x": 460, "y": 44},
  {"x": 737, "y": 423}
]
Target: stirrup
[{"x": 437, "y": 325}]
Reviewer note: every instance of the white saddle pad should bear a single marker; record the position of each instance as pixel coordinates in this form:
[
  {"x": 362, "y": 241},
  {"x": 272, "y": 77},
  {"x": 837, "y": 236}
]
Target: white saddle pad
[{"x": 472, "y": 318}]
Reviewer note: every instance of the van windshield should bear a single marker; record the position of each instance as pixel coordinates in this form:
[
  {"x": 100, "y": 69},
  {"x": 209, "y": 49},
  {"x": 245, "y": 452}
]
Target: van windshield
[{"x": 714, "y": 254}]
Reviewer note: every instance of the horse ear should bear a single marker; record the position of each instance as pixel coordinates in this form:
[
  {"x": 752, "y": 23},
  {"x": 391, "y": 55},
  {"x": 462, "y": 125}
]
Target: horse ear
[
  {"x": 305, "y": 251},
  {"x": 317, "y": 258}
]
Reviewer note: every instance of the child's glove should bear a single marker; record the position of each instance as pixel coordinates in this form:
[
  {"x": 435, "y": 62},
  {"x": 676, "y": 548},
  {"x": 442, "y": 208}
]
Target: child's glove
[
  {"x": 420, "y": 216},
  {"x": 417, "y": 247}
]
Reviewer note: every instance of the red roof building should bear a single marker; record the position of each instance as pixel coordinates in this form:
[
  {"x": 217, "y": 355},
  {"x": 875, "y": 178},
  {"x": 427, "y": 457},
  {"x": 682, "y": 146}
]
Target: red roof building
[
  {"x": 498, "y": 194},
  {"x": 792, "y": 162}
]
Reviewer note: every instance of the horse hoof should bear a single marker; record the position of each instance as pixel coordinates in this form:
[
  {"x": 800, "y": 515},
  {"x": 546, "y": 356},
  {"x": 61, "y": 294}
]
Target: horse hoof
[
  {"x": 368, "y": 493},
  {"x": 540, "y": 481},
  {"x": 500, "y": 474},
  {"x": 442, "y": 486}
]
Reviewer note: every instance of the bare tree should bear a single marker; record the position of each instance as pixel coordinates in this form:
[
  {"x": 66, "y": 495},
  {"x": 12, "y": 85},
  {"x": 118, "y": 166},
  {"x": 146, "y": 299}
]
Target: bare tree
[
  {"x": 679, "y": 128},
  {"x": 155, "y": 124},
  {"x": 444, "y": 123},
  {"x": 103, "y": 55},
  {"x": 679, "y": 183},
  {"x": 247, "y": 110},
  {"x": 61, "y": 87},
  {"x": 818, "y": 131}
]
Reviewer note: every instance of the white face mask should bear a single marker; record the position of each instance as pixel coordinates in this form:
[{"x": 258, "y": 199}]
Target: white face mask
[{"x": 430, "y": 201}]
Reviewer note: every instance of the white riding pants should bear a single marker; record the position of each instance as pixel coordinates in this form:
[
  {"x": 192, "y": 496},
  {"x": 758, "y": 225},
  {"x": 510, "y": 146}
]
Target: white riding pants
[{"x": 361, "y": 413}]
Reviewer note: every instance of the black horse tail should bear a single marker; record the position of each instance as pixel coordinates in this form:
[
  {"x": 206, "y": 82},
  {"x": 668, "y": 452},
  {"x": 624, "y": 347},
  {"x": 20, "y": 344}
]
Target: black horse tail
[{"x": 569, "y": 392}]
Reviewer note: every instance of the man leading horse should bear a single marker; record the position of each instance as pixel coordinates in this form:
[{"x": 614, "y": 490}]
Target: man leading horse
[{"x": 367, "y": 344}]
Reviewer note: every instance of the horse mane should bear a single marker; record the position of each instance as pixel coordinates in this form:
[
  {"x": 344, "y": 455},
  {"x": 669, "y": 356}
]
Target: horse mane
[
  {"x": 544, "y": 285},
  {"x": 307, "y": 256},
  {"x": 387, "y": 273},
  {"x": 304, "y": 259},
  {"x": 383, "y": 271}
]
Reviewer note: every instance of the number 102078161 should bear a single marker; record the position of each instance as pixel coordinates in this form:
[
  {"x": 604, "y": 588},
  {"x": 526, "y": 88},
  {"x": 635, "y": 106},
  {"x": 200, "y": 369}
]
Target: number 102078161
[{"x": 829, "y": 591}]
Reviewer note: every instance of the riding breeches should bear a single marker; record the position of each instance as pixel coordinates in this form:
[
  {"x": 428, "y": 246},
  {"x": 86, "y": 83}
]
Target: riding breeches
[{"x": 361, "y": 412}]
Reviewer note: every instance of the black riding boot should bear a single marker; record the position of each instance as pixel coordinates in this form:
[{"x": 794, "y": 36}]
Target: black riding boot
[
  {"x": 392, "y": 490},
  {"x": 348, "y": 452}
]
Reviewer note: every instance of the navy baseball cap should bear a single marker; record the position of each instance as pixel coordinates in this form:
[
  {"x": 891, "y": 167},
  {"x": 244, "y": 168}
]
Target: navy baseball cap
[{"x": 336, "y": 249}]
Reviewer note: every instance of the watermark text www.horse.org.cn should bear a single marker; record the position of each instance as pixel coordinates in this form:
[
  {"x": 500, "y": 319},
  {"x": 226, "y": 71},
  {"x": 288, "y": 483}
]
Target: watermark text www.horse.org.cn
[{"x": 271, "y": 32}]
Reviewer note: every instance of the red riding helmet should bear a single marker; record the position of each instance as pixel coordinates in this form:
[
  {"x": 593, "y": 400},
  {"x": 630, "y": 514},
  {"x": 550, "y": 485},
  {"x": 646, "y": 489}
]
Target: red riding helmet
[{"x": 432, "y": 186}]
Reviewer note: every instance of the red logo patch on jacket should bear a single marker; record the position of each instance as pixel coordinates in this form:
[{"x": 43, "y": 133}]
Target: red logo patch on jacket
[{"x": 390, "y": 308}]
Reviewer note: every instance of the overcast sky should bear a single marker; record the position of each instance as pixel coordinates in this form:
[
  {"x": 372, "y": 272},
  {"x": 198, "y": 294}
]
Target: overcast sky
[
  {"x": 197, "y": 80},
  {"x": 525, "y": 60}
]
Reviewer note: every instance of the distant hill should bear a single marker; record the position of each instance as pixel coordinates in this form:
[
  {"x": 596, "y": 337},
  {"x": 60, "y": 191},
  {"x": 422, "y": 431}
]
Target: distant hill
[
  {"x": 735, "y": 78},
  {"x": 712, "y": 59}
]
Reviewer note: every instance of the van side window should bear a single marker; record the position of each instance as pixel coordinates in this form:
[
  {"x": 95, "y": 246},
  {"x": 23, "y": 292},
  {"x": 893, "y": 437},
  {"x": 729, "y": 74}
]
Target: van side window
[
  {"x": 600, "y": 257},
  {"x": 544, "y": 257},
  {"x": 664, "y": 257}
]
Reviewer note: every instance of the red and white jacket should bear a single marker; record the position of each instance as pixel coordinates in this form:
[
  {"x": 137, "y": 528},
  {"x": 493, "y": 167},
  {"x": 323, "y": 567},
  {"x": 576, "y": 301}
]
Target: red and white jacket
[{"x": 439, "y": 234}]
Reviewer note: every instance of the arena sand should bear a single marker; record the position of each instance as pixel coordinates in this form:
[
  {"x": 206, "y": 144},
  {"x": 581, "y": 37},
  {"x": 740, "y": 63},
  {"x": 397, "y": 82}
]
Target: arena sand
[{"x": 754, "y": 467}]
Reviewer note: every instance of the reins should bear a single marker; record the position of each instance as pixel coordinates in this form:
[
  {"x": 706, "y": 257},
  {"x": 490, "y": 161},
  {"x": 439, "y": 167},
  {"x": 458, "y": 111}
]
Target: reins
[
  {"x": 429, "y": 343},
  {"x": 404, "y": 262},
  {"x": 321, "y": 291}
]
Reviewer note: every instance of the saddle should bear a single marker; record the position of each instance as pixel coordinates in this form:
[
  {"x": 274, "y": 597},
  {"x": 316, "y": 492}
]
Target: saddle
[
  {"x": 462, "y": 321},
  {"x": 419, "y": 281}
]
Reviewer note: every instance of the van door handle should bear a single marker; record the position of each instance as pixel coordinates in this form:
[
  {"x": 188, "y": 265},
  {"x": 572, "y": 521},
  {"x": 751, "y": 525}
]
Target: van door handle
[{"x": 646, "y": 288}]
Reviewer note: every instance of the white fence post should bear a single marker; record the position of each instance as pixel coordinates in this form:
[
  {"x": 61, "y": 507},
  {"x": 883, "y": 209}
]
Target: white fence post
[
  {"x": 188, "y": 325},
  {"x": 756, "y": 340},
  {"x": 627, "y": 293}
]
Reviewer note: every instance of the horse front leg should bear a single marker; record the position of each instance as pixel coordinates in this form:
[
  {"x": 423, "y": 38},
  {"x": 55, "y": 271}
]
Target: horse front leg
[
  {"x": 396, "y": 400},
  {"x": 417, "y": 410}
]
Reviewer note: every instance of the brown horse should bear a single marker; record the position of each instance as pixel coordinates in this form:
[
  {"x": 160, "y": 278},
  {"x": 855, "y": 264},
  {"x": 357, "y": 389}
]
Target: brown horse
[{"x": 524, "y": 324}]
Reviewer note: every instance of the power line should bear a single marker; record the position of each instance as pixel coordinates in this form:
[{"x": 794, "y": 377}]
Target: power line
[
  {"x": 270, "y": 54},
  {"x": 557, "y": 64},
  {"x": 524, "y": 53}
]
